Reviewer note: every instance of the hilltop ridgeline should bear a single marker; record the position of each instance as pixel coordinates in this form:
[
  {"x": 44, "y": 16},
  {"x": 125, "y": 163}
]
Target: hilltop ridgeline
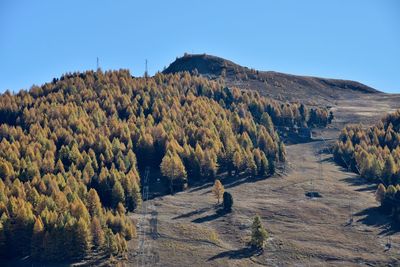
[{"x": 268, "y": 82}]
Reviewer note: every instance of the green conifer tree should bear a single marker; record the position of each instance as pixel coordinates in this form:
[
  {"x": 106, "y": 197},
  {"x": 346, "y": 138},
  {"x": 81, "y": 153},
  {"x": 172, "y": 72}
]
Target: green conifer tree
[{"x": 258, "y": 234}]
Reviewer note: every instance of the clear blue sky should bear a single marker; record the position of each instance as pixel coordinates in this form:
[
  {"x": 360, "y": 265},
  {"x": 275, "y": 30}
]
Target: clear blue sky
[{"x": 358, "y": 40}]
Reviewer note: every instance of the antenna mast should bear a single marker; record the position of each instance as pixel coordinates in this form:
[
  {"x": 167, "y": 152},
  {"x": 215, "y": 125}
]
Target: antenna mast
[
  {"x": 146, "y": 71},
  {"x": 97, "y": 63}
]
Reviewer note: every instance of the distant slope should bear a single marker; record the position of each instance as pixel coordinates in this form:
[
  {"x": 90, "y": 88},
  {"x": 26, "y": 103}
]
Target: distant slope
[{"x": 275, "y": 84}]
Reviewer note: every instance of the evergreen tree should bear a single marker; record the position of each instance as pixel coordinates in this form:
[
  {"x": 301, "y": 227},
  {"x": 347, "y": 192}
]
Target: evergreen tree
[
  {"x": 251, "y": 167},
  {"x": 389, "y": 170},
  {"x": 88, "y": 173},
  {"x": 37, "y": 241},
  {"x": 133, "y": 198},
  {"x": 209, "y": 164},
  {"x": 271, "y": 167},
  {"x": 110, "y": 243},
  {"x": 97, "y": 232},
  {"x": 380, "y": 193},
  {"x": 120, "y": 208},
  {"x": 228, "y": 201},
  {"x": 82, "y": 239},
  {"x": 93, "y": 203},
  {"x": 258, "y": 234},
  {"x": 376, "y": 168},
  {"x": 173, "y": 168},
  {"x": 118, "y": 194},
  {"x": 19, "y": 227},
  {"x": 265, "y": 166},
  {"x": 237, "y": 162},
  {"x": 282, "y": 152},
  {"x": 5, "y": 169},
  {"x": 266, "y": 121}
]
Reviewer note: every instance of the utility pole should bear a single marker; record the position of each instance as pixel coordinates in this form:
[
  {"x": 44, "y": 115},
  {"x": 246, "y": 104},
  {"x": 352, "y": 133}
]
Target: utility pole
[
  {"x": 97, "y": 63},
  {"x": 146, "y": 73}
]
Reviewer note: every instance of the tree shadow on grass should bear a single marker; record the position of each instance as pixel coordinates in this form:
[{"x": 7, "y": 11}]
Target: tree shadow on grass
[
  {"x": 357, "y": 181},
  {"x": 375, "y": 217},
  {"x": 360, "y": 181},
  {"x": 329, "y": 160},
  {"x": 198, "y": 186},
  {"x": 216, "y": 215},
  {"x": 233, "y": 181},
  {"x": 242, "y": 253},
  {"x": 371, "y": 188},
  {"x": 192, "y": 213},
  {"x": 228, "y": 181}
]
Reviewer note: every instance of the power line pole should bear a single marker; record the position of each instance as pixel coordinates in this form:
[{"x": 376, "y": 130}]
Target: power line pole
[
  {"x": 146, "y": 73},
  {"x": 97, "y": 63}
]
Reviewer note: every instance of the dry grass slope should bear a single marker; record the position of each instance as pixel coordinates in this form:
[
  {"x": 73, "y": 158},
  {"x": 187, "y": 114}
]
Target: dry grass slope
[{"x": 303, "y": 232}]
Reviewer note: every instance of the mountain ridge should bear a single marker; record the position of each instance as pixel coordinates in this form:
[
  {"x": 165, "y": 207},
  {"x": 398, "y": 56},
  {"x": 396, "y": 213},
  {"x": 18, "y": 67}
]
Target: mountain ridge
[{"x": 271, "y": 83}]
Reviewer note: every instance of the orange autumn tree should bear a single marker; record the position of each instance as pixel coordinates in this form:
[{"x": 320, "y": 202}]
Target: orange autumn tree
[{"x": 218, "y": 190}]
